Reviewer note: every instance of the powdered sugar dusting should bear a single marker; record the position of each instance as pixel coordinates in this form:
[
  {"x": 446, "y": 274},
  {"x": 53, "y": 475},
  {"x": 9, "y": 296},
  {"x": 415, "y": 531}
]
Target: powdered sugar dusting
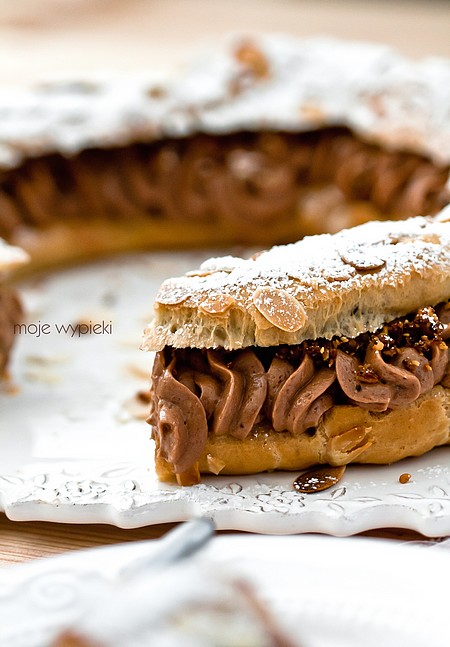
[
  {"x": 222, "y": 264},
  {"x": 379, "y": 94}
]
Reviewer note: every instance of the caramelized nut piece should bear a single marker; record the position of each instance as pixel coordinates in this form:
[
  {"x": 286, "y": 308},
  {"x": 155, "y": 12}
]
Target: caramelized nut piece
[
  {"x": 362, "y": 258},
  {"x": 319, "y": 479},
  {"x": 217, "y": 304},
  {"x": 348, "y": 445},
  {"x": 280, "y": 308},
  {"x": 172, "y": 294}
]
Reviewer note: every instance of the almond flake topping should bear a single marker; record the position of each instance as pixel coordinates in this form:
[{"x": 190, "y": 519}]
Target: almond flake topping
[
  {"x": 171, "y": 294},
  {"x": 253, "y": 59},
  {"x": 280, "y": 308},
  {"x": 217, "y": 304},
  {"x": 362, "y": 258},
  {"x": 222, "y": 264}
]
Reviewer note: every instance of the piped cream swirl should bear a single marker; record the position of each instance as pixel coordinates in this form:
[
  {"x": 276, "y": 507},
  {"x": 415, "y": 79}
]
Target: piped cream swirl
[
  {"x": 241, "y": 179},
  {"x": 196, "y": 393}
]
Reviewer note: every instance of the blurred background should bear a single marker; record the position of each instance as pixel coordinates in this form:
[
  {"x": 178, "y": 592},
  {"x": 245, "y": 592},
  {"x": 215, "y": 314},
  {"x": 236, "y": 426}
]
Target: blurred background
[{"x": 48, "y": 38}]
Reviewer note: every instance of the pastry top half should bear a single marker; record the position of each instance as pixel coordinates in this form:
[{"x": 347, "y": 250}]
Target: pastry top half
[
  {"x": 322, "y": 286},
  {"x": 246, "y": 84}
]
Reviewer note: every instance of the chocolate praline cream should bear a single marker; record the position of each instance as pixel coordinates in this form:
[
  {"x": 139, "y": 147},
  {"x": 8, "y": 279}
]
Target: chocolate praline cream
[
  {"x": 289, "y": 388},
  {"x": 292, "y": 184}
]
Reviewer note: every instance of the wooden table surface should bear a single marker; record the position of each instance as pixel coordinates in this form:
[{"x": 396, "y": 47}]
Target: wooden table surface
[{"x": 41, "y": 38}]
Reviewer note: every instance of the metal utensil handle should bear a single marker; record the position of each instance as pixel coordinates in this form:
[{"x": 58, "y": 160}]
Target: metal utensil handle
[{"x": 180, "y": 543}]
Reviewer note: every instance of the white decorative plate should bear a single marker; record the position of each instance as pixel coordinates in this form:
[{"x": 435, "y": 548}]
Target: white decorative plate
[
  {"x": 73, "y": 450},
  {"x": 324, "y": 592}
]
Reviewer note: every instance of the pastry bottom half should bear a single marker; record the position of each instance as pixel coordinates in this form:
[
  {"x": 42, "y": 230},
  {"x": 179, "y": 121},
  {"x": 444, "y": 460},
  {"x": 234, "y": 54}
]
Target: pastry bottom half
[
  {"x": 346, "y": 434},
  {"x": 69, "y": 241}
]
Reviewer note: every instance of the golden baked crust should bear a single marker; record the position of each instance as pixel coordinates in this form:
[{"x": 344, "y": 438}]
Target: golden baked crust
[
  {"x": 322, "y": 286},
  {"x": 77, "y": 241},
  {"x": 346, "y": 434}
]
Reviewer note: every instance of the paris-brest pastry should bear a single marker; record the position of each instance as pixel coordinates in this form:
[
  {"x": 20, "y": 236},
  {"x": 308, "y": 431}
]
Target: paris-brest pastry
[
  {"x": 260, "y": 141},
  {"x": 330, "y": 350}
]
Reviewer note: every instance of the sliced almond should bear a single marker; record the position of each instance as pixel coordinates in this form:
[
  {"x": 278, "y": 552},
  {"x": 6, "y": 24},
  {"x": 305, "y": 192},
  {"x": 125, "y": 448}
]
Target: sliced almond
[
  {"x": 431, "y": 238},
  {"x": 280, "y": 308},
  {"x": 253, "y": 59},
  {"x": 217, "y": 304},
  {"x": 362, "y": 258},
  {"x": 318, "y": 479},
  {"x": 215, "y": 465},
  {"x": 172, "y": 294},
  {"x": 200, "y": 273},
  {"x": 260, "y": 322},
  {"x": 348, "y": 445}
]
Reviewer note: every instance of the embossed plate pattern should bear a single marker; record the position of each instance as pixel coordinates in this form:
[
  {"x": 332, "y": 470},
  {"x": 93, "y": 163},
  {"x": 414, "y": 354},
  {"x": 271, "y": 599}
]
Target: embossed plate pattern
[{"x": 73, "y": 450}]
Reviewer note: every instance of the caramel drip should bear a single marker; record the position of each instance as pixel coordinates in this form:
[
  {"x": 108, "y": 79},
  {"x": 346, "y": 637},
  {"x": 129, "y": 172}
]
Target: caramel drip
[
  {"x": 198, "y": 392},
  {"x": 10, "y": 314},
  {"x": 243, "y": 179}
]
